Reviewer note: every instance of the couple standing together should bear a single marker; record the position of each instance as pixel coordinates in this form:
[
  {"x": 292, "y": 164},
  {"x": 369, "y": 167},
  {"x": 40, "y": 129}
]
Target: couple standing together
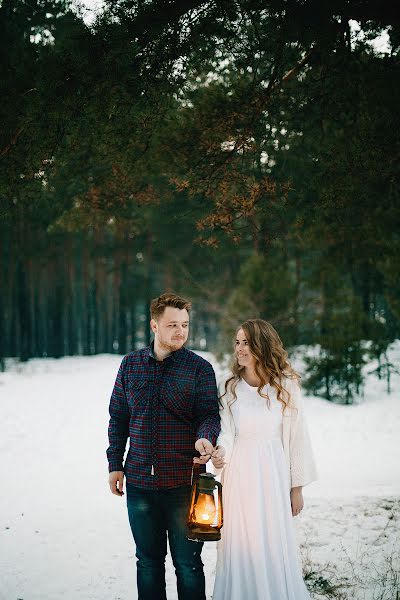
[{"x": 165, "y": 400}]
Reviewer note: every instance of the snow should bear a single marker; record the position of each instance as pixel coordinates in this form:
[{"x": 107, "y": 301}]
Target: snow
[{"x": 63, "y": 535}]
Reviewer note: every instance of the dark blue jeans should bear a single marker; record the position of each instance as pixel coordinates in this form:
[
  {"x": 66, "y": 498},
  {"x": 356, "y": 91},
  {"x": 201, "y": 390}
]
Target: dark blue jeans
[{"x": 152, "y": 515}]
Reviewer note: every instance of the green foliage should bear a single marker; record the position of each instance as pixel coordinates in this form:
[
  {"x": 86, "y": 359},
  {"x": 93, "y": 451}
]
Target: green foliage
[
  {"x": 243, "y": 154},
  {"x": 336, "y": 373},
  {"x": 264, "y": 290}
]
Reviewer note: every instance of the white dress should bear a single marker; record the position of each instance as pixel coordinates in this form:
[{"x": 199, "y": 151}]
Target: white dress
[{"x": 258, "y": 557}]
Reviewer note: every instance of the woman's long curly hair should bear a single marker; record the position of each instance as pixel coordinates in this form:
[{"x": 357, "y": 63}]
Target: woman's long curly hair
[{"x": 271, "y": 361}]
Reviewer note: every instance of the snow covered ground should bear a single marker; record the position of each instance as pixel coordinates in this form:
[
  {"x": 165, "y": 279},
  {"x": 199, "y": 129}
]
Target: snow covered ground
[{"x": 63, "y": 535}]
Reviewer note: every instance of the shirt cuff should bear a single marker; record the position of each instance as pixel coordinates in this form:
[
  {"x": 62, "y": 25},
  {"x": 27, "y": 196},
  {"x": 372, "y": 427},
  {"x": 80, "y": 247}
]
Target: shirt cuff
[
  {"x": 211, "y": 437},
  {"x": 115, "y": 466}
]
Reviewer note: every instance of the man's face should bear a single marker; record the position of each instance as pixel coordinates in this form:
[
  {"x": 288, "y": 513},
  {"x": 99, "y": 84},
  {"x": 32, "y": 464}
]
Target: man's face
[{"x": 171, "y": 329}]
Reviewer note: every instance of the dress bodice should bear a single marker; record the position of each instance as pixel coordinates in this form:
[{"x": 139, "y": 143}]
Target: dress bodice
[{"x": 253, "y": 417}]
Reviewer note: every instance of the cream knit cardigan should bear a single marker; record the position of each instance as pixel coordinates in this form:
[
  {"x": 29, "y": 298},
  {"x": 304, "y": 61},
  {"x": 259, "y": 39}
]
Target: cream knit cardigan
[{"x": 295, "y": 436}]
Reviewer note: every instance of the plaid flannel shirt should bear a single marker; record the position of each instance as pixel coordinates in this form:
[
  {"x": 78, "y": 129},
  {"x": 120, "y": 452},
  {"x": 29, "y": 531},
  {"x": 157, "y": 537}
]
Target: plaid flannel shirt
[{"x": 163, "y": 407}]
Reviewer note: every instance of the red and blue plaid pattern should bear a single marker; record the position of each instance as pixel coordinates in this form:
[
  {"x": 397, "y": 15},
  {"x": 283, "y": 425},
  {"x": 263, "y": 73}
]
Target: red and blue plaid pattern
[{"x": 163, "y": 407}]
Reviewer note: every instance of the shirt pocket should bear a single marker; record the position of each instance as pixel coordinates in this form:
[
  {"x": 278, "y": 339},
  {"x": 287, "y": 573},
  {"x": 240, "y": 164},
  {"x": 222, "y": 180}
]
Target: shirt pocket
[
  {"x": 177, "y": 398},
  {"x": 137, "y": 393}
]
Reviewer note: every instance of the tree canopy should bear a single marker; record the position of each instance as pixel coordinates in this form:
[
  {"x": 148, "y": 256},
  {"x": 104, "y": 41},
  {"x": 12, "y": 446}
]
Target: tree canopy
[{"x": 244, "y": 153}]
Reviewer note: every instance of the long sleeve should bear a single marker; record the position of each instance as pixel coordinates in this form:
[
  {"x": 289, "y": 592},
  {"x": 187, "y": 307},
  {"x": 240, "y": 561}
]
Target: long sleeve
[
  {"x": 301, "y": 458},
  {"x": 226, "y": 437},
  {"x": 206, "y": 405},
  {"x": 118, "y": 428}
]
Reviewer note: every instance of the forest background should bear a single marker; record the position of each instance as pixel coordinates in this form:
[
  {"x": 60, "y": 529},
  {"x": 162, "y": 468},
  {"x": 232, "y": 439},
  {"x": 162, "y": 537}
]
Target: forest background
[{"x": 242, "y": 153}]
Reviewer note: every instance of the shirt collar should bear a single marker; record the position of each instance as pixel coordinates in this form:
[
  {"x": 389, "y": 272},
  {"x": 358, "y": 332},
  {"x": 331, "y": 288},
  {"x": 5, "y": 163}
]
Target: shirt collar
[{"x": 173, "y": 356}]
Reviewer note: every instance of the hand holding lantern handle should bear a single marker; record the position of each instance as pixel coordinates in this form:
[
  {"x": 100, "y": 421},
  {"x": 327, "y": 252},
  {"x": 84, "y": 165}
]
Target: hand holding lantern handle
[{"x": 205, "y": 448}]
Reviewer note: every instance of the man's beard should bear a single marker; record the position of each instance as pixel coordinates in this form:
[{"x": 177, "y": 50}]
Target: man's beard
[{"x": 173, "y": 346}]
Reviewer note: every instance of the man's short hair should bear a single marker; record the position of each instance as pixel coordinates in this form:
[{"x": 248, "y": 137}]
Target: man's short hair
[{"x": 158, "y": 305}]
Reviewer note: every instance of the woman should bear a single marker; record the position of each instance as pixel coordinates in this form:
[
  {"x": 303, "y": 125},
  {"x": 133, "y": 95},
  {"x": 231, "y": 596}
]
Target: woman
[{"x": 266, "y": 457}]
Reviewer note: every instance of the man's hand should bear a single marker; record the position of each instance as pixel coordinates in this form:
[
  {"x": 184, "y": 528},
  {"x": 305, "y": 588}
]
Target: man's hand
[
  {"x": 116, "y": 482},
  {"x": 205, "y": 448},
  {"x": 296, "y": 500},
  {"x": 217, "y": 457}
]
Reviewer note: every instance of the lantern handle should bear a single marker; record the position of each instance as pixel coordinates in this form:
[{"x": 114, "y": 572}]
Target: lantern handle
[{"x": 193, "y": 467}]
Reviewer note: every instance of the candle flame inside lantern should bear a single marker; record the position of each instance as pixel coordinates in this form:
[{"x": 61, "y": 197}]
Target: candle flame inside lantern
[{"x": 205, "y": 509}]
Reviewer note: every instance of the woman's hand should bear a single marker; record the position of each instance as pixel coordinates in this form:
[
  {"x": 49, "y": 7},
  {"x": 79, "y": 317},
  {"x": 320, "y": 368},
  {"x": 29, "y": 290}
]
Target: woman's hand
[
  {"x": 217, "y": 457},
  {"x": 296, "y": 500}
]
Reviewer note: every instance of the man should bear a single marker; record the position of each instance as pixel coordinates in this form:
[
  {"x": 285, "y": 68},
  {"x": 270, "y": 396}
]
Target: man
[{"x": 165, "y": 400}]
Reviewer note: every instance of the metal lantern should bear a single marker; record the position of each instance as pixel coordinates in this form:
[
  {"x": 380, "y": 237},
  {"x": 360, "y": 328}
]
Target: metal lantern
[{"x": 205, "y": 517}]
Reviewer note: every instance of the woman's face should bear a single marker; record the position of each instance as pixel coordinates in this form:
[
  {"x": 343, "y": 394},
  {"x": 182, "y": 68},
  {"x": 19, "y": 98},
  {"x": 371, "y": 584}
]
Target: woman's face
[{"x": 242, "y": 349}]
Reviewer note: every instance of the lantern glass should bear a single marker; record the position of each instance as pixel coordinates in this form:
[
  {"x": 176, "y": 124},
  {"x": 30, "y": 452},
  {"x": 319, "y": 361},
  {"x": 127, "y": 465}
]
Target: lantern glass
[
  {"x": 205, "y": 510},
  {"x": 205, "y": 516}
]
